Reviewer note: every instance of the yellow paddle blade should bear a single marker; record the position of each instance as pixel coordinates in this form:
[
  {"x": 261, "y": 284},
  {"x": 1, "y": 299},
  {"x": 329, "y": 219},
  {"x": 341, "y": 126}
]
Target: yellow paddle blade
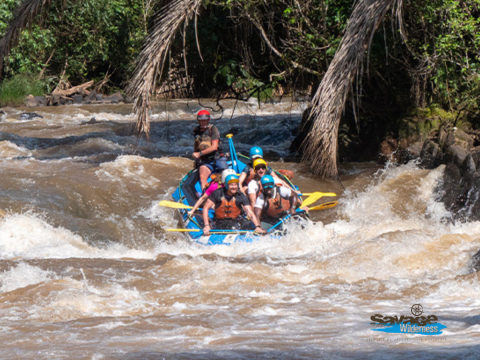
[
  {"x": 174, "y": 205},
  {"x": 183, "y": 230},
  {"x": 324, "y": 206},
  {"x": 314, "y": 197}
]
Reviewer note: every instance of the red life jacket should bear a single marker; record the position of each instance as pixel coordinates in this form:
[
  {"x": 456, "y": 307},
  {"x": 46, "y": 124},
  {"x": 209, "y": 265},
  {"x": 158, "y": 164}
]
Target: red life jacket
[
  {"x": 277, "y": 206},
  {"x": 228, "y": 209}
]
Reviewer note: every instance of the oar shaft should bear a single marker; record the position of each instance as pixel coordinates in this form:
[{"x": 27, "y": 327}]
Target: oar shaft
[{"x": 213, "y": 232}]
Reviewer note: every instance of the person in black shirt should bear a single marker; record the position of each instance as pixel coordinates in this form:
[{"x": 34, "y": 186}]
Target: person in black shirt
[
  {"x": 207, "y": 148},
  {"x": 230, "y": 204}
]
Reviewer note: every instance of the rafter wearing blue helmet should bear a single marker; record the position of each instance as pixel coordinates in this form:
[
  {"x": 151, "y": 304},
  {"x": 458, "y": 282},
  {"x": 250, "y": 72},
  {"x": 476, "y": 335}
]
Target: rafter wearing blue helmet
[
  {"x": 256, "y": 152},
  {"x": 274, "y": 202},
  {"x": 248, "y": 172},
  {"x": 230, "y": 206}
]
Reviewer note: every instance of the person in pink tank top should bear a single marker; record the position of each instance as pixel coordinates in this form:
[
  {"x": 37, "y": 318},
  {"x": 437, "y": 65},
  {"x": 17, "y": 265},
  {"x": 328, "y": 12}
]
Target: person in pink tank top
[{"x": 214, "y": 185}]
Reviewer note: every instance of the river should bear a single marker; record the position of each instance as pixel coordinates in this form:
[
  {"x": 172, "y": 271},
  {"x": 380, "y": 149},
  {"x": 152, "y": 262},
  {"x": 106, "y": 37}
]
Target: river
[{"x": 87, "y": 271}]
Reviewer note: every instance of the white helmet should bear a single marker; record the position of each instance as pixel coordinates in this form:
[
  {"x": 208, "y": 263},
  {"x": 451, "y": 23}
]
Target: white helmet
[{"x": 227, "y": 172}]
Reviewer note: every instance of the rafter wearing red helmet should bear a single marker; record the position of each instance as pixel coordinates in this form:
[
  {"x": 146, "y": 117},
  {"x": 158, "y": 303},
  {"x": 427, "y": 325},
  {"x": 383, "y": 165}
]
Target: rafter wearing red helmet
[{"x": 207, "y": 148}]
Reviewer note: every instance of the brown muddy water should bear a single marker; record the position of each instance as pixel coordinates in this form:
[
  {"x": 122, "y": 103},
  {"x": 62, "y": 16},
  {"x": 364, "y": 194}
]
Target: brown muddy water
[{"x": 87, "y": 271}]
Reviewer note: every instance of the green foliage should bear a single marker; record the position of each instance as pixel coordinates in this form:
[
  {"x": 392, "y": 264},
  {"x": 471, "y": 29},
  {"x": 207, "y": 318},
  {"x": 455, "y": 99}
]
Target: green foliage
[
  {"x": 440, "y": 65},
  {"x": 446, "y": 44},
  {"x": 85, "y": 40},
  {"x": 242, "y": 82},
  {"x": 434, "y": 111},
  {"x": 6, "y": 7},
  {"x": 14, "y": 90}
]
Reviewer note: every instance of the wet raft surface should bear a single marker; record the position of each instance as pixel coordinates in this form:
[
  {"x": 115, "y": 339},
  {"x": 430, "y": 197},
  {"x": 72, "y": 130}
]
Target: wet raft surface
[{"x": 87, "y": 271}]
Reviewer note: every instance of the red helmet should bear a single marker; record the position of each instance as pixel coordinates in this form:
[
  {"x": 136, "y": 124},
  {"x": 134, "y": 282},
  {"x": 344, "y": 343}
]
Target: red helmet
[{"x": 203, "y": 115}]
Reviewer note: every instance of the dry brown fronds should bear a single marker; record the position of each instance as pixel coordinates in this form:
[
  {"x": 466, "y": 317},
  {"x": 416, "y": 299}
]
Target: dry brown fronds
[
  {"x": 24, "y": 16},
  {"x": 330, "y": 98},
  {"x": 151, "y": 61}
]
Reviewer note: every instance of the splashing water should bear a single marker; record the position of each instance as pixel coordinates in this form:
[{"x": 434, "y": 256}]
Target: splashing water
[{"x": 87, "y": 268}]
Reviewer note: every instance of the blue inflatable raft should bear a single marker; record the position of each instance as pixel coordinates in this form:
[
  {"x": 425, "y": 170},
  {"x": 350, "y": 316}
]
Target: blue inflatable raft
[{"x": 186, "y": 194}]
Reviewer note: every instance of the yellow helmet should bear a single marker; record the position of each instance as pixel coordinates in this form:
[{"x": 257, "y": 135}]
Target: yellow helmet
[{"x": 257, "y": 162}]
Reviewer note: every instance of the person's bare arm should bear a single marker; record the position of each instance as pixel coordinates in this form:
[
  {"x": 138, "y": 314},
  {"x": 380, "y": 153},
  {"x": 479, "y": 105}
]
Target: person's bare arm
[
  {"x": 197, "y": 204},
  {"x": 208, "y": 204},
  {"x": 210, "y": 149},
  {"x": 242, "y": 178},
  {"x": 254, "y": 219},
  {"x": 258, "y": 212},
  {"x": 252, "y": 198},
  {"x": 281, "y": 181},
  {"x": 295, "y": 202}
]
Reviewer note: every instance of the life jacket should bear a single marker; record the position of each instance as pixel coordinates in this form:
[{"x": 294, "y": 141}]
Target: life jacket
[
  {"x": 205, "y": 137},
  {"x": 277, "y": 206},
  {"x": 250, "y": 177},
  {"x": 287, "y": 173},
  {"x": 228, "y": 209}
]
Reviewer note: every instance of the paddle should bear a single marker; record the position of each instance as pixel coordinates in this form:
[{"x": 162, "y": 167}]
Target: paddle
[
  {"x": 174, "y": 205},
  {"x": 183, "y": 230},
  {"x": 212, "y": 232},
  {"x": 314, "y": 197},
  {"x": 324, "y": 206}
]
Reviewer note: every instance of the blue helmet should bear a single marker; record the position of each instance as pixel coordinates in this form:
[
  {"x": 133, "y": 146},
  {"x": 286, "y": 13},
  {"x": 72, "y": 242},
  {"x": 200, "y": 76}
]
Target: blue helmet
[
  {"x": 231, "y": 178},
  {"x": 256, "y": 152},
  {"x": 267, "y": 182}
]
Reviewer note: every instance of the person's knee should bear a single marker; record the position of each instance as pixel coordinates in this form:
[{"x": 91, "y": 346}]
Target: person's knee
[{"x": 205, "y": 170}]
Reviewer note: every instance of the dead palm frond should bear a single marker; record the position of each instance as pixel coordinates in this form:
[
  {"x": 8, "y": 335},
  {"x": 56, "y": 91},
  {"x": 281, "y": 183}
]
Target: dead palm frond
[
  {"x": 151, "y": 61},
  {"x": 330, "y": 98},
  {"x": 24, "y": 16}
]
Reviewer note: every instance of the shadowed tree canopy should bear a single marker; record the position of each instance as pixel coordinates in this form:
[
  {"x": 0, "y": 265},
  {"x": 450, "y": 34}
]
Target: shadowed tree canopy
[{"x": 345, "y": 52}]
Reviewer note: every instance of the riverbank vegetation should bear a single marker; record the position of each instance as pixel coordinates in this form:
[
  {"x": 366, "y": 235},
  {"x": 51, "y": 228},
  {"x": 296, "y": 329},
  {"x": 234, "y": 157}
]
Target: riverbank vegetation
[{"x": 423, "y": 54}]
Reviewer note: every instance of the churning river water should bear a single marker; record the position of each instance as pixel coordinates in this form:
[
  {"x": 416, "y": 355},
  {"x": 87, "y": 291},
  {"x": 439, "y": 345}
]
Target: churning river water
[{"x": 87, "y": 271}]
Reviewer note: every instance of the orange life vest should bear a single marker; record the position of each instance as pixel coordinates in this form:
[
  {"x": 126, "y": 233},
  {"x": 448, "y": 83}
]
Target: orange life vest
[
  {"x": 250, "y": 177},
  {"x": 228, "y": 209},
  {"x": 287, "y": 173},
  {"x": 276, "y": 207}
]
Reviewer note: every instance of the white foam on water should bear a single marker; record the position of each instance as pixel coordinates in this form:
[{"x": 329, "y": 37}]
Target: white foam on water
[
  {"x": 31, "y": 237},
  {"x": 130, "y": 167},
  {"x": 9, "y": 150},
  {"x": 23, "y": 275},
  {"x": 73, "y": 299},
  {"x": 373, "y": 240}
]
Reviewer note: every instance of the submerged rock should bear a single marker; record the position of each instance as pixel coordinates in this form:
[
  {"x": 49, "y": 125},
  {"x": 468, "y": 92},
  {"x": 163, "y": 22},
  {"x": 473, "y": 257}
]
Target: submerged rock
[
  {"x": 115, "y": 98},
  {"x": 475, "y": 262},
  {"x": 460, "y": 189},
  {"x": 90, "y": 122},
  {"x": 29, "y": 116},
  {"x": 77, "y": 99},
  {"x": 91, "y": 97}
]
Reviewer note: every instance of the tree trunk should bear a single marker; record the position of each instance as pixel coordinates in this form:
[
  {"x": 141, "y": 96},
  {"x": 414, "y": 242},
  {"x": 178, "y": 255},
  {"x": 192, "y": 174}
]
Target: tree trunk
[
  {"x": 330, "y": 98},
  {"x": 151, "y": 61}
]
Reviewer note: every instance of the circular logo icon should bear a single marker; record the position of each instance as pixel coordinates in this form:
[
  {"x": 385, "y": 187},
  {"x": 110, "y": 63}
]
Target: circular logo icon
[{"x": 417, "y": 309}]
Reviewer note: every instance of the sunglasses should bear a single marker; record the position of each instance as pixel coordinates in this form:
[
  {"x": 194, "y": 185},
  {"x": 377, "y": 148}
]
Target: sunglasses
[
  {"x": 268, "y": 186},
  {"x": 260, "y": 167}
]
